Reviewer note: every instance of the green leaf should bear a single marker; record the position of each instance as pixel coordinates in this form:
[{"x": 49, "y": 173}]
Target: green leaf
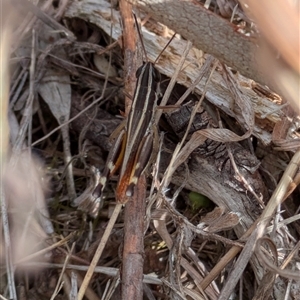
[{"x": 198, "y": 201}]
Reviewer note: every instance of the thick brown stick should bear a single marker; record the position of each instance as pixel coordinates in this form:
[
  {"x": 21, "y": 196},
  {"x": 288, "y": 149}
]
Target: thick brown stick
[
  {"x": 133, "y": 259},
  {"x": 133, "y": 252},
  {"x": 129, "y": 46}
]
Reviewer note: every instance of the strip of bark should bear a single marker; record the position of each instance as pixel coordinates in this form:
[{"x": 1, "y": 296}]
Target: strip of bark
[{"x": 208, "y": 32}]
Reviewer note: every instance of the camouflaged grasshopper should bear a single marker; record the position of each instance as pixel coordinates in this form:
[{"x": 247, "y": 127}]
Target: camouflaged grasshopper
[{"x": 133, "y": 146}]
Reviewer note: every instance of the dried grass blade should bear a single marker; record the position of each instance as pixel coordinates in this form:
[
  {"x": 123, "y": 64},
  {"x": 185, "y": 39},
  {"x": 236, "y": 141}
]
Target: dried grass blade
[
  {"x": 245, "y": 105},
  {"x": 99, "y": 251}
]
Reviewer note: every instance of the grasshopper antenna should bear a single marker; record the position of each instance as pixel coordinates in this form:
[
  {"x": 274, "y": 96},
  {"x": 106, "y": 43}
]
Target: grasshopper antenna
[
  {"x": 143, "y": 46},
  {"x": 165, "y": 47},
  {"x": 140, "y": 36}
]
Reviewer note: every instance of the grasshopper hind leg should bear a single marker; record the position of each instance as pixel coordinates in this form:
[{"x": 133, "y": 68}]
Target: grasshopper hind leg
[
  {"x": 113, "y": 163},
  {"x": 141, "y": 161}
]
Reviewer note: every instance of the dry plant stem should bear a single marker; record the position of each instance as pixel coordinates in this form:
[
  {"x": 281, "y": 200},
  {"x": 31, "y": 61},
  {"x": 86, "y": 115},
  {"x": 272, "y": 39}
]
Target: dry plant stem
[
  {"x": 174, "y": 293},
  {"x": 17, "y": 148},
  {"x": 99, "y": 251},
  {"x": 283, "y": 223},
  {"x": 7, "y": 247},
  {"x": 288, "y": 290},
  {"x": 129, "y": 45},
  {"x": 27, "y": 115},
  {"x": 173, "y": 80},
  {"x": 17, "y": 86},
  {"x": 219, "y": 267},
  {"x": 150, "y": 279},
  {"x": 133, "y": 251},
  {"x": 68, "y": 162},
  {"x": 89, "y": 293},
  {"x": 148, "y": 292},
  {"x": 58, "y": 284},
  {"x": 204, "y": 70},
  {"x": 4, "y": 142},
  {"x": 61, "y": 9},
  {"x": 245, "y": 106},
  {"x": 208, "y": 32},
  {"x": 70, "y": 284},
  {"x": 132, "y": 261},
  {"x": 290, "y": 256},
  {"x": 155, "y": 182},
  {"x": 277, "y": 197}
]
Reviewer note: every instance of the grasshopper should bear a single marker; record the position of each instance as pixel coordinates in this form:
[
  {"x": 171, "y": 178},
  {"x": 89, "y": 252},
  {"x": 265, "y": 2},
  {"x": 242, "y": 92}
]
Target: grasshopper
[
  {"x": 133, "y": 146},
  {"x": 130, "y": 153}
]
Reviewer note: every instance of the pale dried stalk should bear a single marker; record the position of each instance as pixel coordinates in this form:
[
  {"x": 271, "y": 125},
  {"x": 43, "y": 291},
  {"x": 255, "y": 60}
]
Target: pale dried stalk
[
  {"x": 173, "y": 80},
  {"x": 112, "y": 272},
  {"x": 59, "y": 281},
  {"x": 5, "y": 40},
  {"x": 27, "y": 115},
  {"x": 99, "y": 251}
]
